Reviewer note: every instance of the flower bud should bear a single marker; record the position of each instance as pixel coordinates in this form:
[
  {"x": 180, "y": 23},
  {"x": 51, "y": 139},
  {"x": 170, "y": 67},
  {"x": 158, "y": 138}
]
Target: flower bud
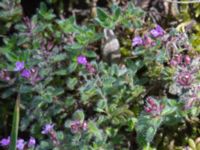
[{"x": 187, "y": 60}]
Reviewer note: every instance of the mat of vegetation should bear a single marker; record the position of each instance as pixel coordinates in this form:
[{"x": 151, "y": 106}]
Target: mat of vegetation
[{"x": 99, "y": 75}]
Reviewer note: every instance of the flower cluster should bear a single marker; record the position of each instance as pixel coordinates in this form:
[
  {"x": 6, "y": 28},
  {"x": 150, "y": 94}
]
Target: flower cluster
[
  {"x": 147, "y": 40},
  {"x": 78, "y": 126},
  {"x": 83, "y": 61},
  {"x": 21, "y": 143},
  {"x": 179, "y": 59},
  {"x": 29, "y": 74},
  {"x": 153, "y": 107}
]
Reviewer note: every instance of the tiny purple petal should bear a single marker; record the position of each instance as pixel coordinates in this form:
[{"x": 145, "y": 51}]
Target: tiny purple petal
[
  {"x": 26, "y": 73},
  {"x": 31, "y": 142},
  {"x": 158, "y": 31},
  {"x": 5, "y": 142},
  {"x": 47, "y": 128},
  {"x": 137, "y": 41},
  {"x": 19, "y": 66},
  {"x": 82, "y": 60},
  {"x": 20, "y": 144}
]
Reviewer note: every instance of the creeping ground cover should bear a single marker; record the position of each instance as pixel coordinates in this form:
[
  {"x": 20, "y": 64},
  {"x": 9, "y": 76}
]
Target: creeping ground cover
[{"x": 105, "y": 78}]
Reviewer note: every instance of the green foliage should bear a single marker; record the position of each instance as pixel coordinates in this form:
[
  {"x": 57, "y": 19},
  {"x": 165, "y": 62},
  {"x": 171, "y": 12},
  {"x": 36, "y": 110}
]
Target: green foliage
[{"x": 95, "y": 105}]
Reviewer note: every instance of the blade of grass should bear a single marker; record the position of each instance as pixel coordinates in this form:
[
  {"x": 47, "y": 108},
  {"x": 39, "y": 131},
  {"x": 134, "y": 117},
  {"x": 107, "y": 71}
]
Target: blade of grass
[{"x": 15, "y": 124}]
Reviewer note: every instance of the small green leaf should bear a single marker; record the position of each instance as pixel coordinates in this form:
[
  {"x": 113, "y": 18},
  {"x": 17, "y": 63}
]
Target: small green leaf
[
  {"x": 71, "y": 83},
  {"x": 59, "y": 57},
  {"x": 79, "y": 115}
]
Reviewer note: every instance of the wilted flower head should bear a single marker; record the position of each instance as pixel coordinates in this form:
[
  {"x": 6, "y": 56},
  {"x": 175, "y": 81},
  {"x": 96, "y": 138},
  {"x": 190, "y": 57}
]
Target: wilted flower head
[
  {"x": 152, "y": 107},
  {"x": 26, "y": 73},
  {"x": 137, "y": 41},
  {"x": 90, "y": 68},
  {"x": 47, "y": 128},
  {"x": 31, "y": 142},
  {"x": 35, "y": 76},
  {"x": 5, "y": 142},
  {"x": 20, "y": 144},
  {"x": 75, "y": 126},
  {"x": 158, "y": 31},
  {"x": 19, "y": 66},
  {"x": 185, "y": 78},
  {"x": 82, "y": 60},
  {"x": 4, "y": 75}
]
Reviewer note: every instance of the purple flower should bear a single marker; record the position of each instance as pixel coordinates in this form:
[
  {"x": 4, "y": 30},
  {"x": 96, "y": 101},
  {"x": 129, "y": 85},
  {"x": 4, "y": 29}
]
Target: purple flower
[
  {"x": 26, "y": 73},
  {"x": 19, "y": 66},
  {"x": 137, "y": 41},
  {"x": 82, "y": 60},
  {"x": 47, "y": 128},
  {"x": 31, "y": 142},
  {"x": 5, "y": 142},
  {"x": 158, "y": 31},
  {"x": 185, "y": 78},
  {"x": 20, "y": 144}
]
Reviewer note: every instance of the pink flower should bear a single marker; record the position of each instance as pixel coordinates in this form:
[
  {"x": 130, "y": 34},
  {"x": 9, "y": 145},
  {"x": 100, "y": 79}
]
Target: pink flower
[
  {"x": 187, "y": 60},
  {"x": 148, "y": 41}
]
